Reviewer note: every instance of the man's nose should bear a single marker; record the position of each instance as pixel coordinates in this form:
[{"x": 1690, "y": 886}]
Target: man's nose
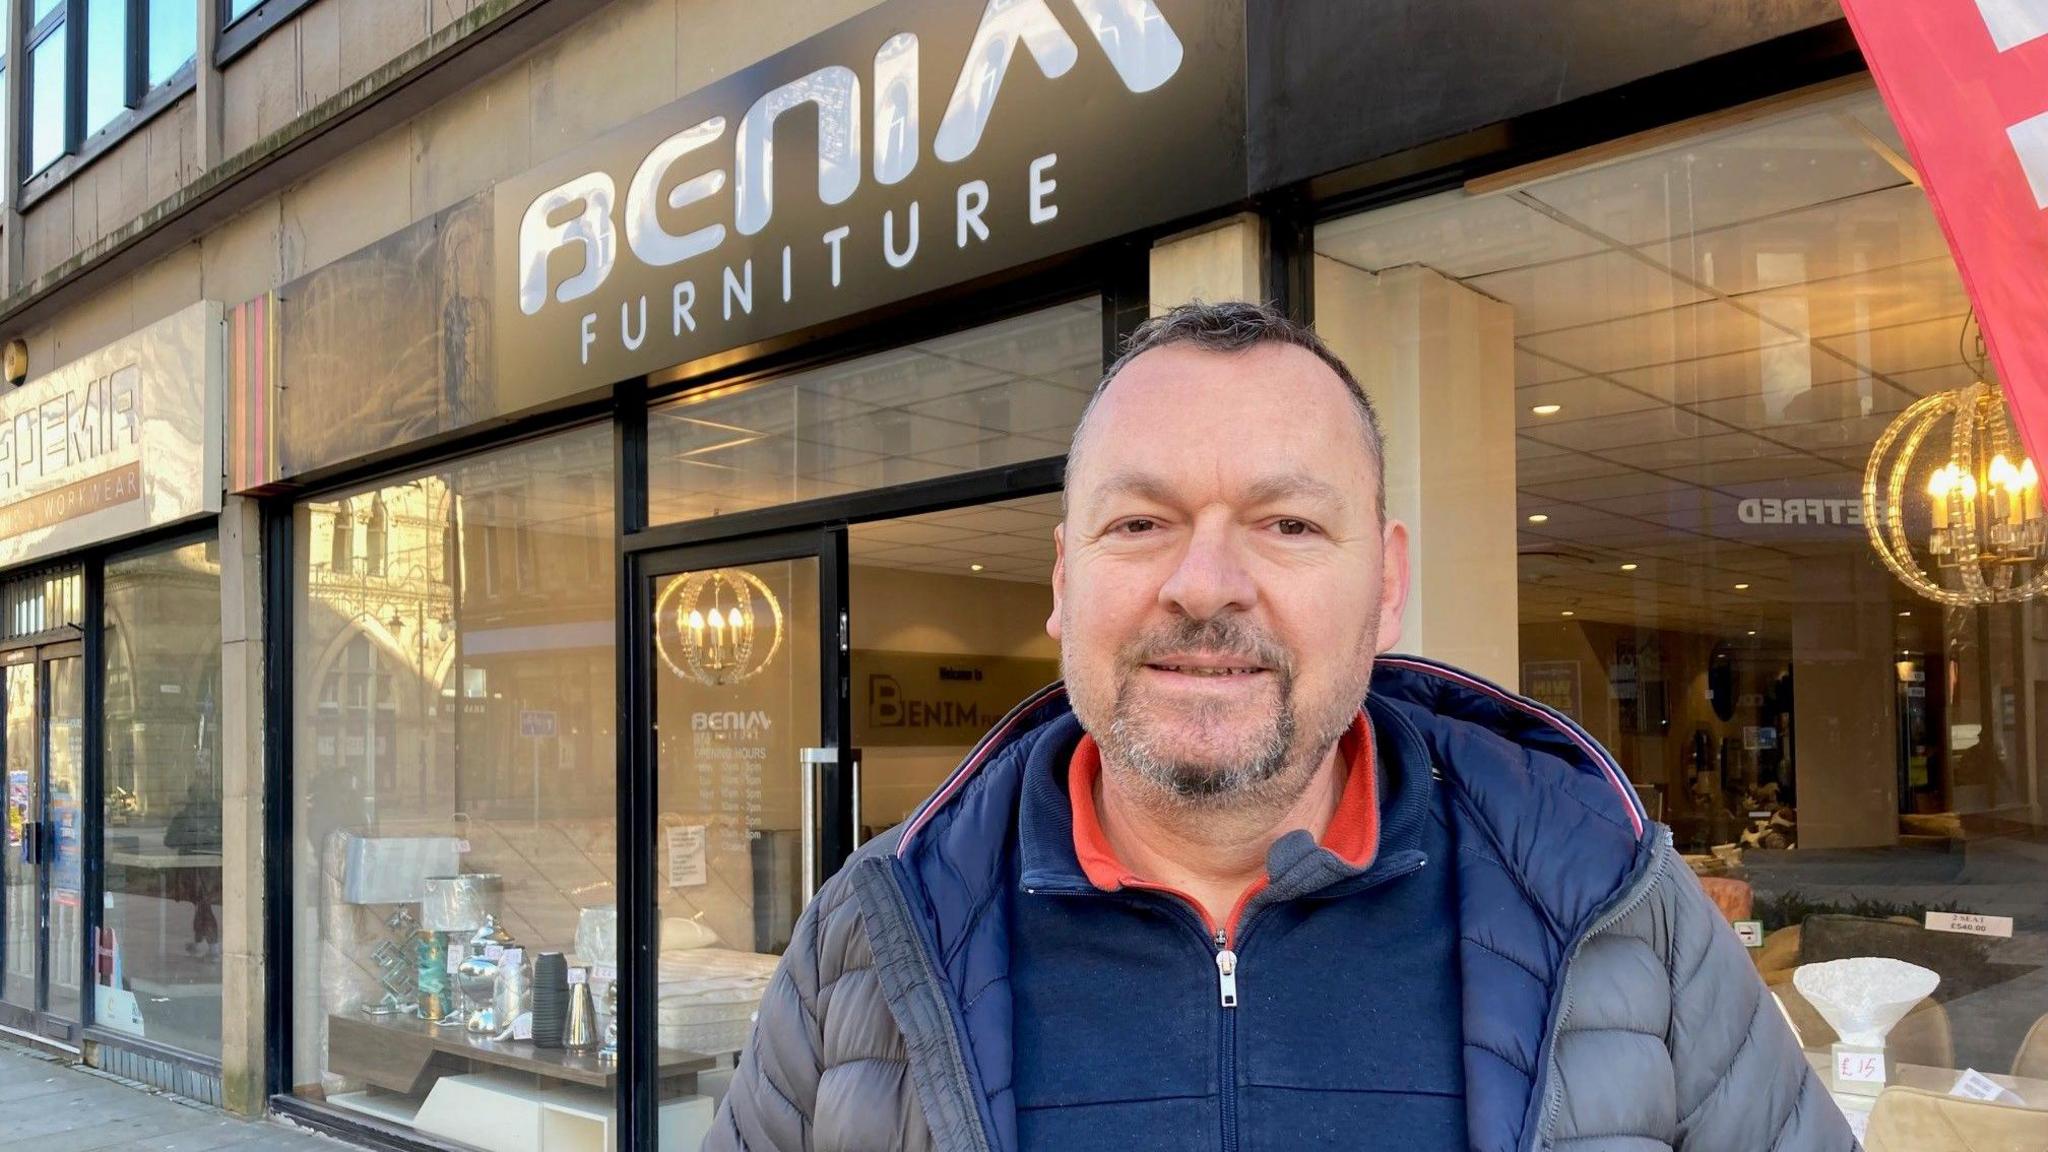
[{"x": 1211, "y": 577}]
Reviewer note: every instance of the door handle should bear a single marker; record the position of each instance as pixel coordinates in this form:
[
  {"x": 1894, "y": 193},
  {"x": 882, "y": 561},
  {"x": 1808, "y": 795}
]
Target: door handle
[
  {"x": 811, "y": 768},
  {"x": 32, "y": 842},
  {"x": 853, "y": 838}
]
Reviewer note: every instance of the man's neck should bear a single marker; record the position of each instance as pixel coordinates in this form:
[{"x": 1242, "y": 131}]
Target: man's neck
[{"x": 1211, "y": 854}]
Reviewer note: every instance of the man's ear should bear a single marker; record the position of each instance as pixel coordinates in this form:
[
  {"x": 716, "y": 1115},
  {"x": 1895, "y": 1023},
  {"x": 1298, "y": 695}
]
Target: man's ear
[
  {"x": 1393, "y": 582},
  {"x": 1059, "y": 578}
]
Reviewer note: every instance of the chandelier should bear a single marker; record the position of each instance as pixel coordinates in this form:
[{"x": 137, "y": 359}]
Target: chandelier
[
  {"x": 718, "y": 627},
  {"x": 1985, "y": 533}
]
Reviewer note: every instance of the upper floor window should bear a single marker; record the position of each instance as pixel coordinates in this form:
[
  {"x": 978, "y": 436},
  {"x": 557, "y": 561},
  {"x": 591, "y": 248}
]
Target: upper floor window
[{"x": 97, "y": 66}]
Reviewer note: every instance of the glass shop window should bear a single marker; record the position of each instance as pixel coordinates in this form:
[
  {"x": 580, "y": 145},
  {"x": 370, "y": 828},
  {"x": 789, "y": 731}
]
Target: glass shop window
[
  {"x": 453, "y": 805},
  {"x": 1701, "y": 348},
  {"x": 162, "y": 808}
]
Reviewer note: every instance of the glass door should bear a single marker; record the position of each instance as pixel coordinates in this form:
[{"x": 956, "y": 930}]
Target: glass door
[
  {"x": 753, "y": 807},
  {"x": 42, "y": 719}
]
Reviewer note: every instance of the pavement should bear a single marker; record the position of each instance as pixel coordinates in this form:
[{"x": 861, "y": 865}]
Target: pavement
[{"x": 51, "y": 1106}]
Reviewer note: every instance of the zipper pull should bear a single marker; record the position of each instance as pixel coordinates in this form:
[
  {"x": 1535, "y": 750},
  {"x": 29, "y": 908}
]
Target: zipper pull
[{"x": 1226, "y": 977}]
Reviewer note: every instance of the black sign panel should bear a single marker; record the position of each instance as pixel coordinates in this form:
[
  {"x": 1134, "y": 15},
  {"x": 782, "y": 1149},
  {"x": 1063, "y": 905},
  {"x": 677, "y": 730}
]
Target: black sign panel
[{"x": 921, "y": 144}]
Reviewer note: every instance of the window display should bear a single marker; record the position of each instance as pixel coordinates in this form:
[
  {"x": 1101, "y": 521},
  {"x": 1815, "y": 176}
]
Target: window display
[
  {"x": 454, "y": 798},
  {"x": 160, "y": 932},
  {"x": 1703, "y": 347}
]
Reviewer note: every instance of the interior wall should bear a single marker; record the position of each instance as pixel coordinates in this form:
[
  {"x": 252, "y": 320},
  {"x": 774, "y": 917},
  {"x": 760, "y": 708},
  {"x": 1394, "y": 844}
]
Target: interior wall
[{"x": 898, "y": 611}]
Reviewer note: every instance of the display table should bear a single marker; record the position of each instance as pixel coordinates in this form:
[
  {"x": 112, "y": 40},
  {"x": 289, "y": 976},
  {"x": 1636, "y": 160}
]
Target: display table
[
  {"x": 2032, "y": 1093},
  {"x": 405, "y": 1054}
]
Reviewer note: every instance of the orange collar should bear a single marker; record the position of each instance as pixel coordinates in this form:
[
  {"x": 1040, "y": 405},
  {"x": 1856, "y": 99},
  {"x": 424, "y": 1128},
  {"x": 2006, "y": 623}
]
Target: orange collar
[{"x": 1353, "y": 834}]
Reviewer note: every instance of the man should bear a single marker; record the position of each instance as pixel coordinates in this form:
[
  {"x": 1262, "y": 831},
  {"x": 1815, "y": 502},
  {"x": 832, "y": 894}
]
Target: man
[{"x": 1201, "y": 898}]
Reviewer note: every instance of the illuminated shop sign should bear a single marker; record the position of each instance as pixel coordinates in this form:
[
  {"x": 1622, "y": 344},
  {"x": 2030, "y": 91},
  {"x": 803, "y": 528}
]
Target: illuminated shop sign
[{"x": 921, "y": 144}]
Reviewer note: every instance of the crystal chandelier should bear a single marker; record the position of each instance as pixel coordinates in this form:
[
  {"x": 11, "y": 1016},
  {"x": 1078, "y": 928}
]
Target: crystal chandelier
[
  {"x": 719, "y": 627},
  {"x": 1985, "y": 534}
]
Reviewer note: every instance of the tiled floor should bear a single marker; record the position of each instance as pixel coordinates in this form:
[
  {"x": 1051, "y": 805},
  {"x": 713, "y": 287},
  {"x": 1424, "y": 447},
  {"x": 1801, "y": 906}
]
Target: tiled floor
[{"x": 49, "y": 1106}]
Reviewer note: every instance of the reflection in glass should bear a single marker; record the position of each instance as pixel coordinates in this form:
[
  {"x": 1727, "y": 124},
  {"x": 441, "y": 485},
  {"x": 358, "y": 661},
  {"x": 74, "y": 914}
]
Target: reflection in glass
[
  {"x": 162, "y": 801},
  {"x": 1700, "y": 345},
  {"x": 64, "y": 748},
  {"x": 173, "y": 38},
  {"x": 106, "y": 62},
  {"x": 1002, "y": 394},
  {"x": 22, "y": 894},
  {"x": 453, "y": 702},
  {"x": 46, "y": 96},
  {"x": 736, "y": 701}
]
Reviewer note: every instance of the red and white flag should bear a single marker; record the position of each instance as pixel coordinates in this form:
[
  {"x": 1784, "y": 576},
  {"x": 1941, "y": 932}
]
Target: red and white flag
[{"x": 1966, "y": 82}]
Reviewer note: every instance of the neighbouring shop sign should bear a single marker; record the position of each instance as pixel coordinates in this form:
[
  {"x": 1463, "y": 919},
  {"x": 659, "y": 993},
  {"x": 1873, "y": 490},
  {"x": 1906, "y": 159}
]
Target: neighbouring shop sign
[
  {"x": 1966, "y": 81},
  {"x": 1553, "y": 682},
  {"x": 923, "y": 699},
  {"x": 121, "y": 440},
  {"x": 919, "y": 145}
]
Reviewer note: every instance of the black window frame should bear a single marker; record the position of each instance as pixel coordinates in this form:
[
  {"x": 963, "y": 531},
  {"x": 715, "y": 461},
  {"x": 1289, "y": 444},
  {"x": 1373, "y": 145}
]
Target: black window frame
[
  {"x": 238, "y": 34},
  {"x": 141, "y": 102}
]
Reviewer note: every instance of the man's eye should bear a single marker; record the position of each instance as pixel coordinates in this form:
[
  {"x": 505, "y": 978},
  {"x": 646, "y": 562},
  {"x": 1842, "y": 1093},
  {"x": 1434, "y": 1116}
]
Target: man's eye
[
  {"x": 1293, "y": 527},
  {"x": 1136, "y": 527}
]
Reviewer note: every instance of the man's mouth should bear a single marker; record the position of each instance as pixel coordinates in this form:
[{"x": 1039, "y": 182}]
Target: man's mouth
[{"x": 1203, "y": 668}]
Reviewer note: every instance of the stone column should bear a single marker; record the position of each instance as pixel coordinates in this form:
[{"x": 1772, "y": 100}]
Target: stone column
[
  {"x": 243, "y": 962},
  {"x": 1438, "y": 359},
  {"x": 1845, "y": 735},
  {"x": 1217, "y": 262}
]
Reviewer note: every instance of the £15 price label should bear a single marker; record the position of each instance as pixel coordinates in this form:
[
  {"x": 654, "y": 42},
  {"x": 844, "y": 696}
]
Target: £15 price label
[{"x": 1859, "y": 1067}]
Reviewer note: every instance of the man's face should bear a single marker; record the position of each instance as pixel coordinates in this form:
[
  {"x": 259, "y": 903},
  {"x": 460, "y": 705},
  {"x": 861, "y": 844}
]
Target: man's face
[{"x": 1224, "y": 577}]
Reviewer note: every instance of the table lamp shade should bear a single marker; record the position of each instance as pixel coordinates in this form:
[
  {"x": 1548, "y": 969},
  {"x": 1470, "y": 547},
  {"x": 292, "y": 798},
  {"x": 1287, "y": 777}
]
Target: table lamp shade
[
  {"x": 458, "y": 903},
  {"x": 394, "y": 869}
]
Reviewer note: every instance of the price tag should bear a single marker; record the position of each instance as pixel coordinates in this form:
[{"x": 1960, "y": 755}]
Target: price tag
[
  {"x": 462, "y": 847},
  {"x": 494, "y": 952},
  {"x": 522, "y": 1028},
  {"x": 512, "y": 957},
  {"x": 1974, "y": 1085},
  {"x": 1750, "y": 932},
  {"x": 579, "y": 976},
  {"x": 457, "y": 953},
  {"x": 604, "y": 972},
  {"x": 1859, "y": 1067},
  {"x": 2000, "y": 926}
]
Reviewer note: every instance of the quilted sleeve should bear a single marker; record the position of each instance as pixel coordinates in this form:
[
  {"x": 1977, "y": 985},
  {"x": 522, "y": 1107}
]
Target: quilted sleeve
[
  {"x": 1742, "y": 1081},
  {"x": 774, "y": 1092}
]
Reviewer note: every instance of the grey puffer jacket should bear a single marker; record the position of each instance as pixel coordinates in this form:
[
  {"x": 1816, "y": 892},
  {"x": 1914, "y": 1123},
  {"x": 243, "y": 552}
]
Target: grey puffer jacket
[{"x": 1609, "y": 1007}]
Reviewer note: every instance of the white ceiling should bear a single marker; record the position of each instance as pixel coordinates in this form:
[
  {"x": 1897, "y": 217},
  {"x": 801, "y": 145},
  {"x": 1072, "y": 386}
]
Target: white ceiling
[
  {"x": 1010, "y": 540},
  {"x": 1001, "y": 394},
  {"x": 1739, "y": 314}
]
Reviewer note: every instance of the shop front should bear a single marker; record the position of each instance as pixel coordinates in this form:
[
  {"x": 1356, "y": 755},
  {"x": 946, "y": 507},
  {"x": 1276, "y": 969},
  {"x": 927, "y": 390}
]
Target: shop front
[
  {"x": 110, "y": 686},
  {"x": 607, "y": 621},
  {"x": 693, "y": 517}
]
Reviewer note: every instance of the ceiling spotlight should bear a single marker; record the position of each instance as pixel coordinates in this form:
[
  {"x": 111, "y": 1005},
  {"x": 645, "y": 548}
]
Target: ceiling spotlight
[
  {"x": 1538, "y": 518},
  {"x": 1628, "y": 567},
  {"x": 1907, "y": 613},
  {"x": 1547, "y": 409},
  {"x": 1752, "y": 631},
  {"x": 1569, "y": 612},
  {"x": 1742, "y": 587},
  {"x": 974, "y": 567}
]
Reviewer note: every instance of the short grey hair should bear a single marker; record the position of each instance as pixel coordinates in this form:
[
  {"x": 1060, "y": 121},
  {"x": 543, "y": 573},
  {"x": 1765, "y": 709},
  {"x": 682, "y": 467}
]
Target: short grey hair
[{"x": 1238, "y": 326}]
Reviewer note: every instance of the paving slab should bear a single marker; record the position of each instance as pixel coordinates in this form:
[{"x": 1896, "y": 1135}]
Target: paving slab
[{"x": 49, "y": 1105}]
